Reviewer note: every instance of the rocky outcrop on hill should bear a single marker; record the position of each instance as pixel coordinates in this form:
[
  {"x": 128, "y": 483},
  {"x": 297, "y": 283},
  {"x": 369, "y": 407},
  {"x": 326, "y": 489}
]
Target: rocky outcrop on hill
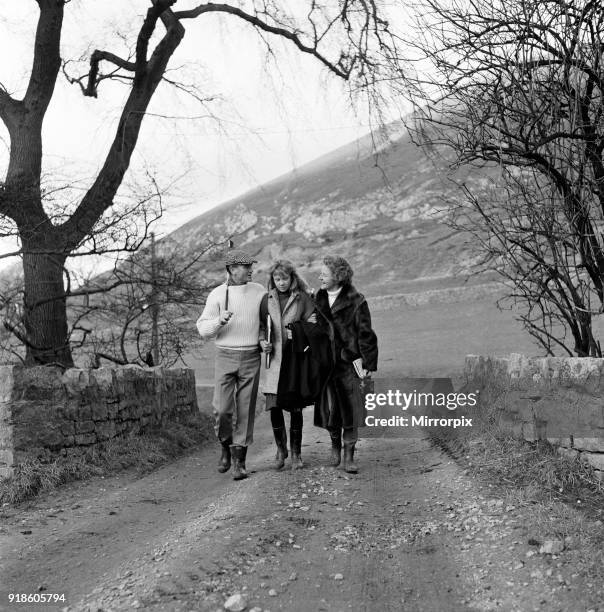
[{"x": 383, "y": 211}]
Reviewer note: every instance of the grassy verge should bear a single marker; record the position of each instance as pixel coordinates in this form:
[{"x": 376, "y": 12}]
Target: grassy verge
[
  {"x": 485, "y": 449},
  {"x": 143, "y": 452},
  {"x": 561, "y": 496}
]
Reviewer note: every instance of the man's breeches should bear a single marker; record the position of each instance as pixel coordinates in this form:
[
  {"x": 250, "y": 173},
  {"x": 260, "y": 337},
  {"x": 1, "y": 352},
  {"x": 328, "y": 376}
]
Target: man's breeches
[{"x": 236, "y": 374}]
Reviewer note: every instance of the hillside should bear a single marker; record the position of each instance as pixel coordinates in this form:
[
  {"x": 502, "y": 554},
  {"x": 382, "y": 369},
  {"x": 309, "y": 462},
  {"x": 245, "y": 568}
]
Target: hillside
[
  {"x": 379, "y": 205},
  {"x": 382, "y": 211}
]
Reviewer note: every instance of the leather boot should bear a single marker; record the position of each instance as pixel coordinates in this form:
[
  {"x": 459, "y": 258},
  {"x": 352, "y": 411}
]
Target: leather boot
[
  {"x": 238, "y": 453},
  {"x": 349, "y": 464},
  {"x": 224, "y": 464},
  {"x": 336, "y": 449},
  {"x": 295, "y": 436},
  {"x": 281, "y": 442},
  {"x": 243, "y": 458}
]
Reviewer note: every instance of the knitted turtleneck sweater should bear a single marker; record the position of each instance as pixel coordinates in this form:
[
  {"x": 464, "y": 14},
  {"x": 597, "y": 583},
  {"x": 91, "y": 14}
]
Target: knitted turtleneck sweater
[
  {"x": 243, "y": 329},
  {"x": 332, "y": 295}
]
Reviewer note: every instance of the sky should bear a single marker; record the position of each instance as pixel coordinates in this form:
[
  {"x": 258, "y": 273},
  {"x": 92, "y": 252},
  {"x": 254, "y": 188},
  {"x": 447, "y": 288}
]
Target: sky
[{"x": 262, "y": 120}]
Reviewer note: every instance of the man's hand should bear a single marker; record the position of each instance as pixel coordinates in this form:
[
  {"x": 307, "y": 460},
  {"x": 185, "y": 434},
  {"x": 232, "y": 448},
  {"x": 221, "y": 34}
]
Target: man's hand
[
  {"x": 225, "y": 316},
  {"x": 266, "y": 347}
]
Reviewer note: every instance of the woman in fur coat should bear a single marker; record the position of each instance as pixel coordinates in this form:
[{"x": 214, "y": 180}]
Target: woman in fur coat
[{"x": 345, "y": 313}]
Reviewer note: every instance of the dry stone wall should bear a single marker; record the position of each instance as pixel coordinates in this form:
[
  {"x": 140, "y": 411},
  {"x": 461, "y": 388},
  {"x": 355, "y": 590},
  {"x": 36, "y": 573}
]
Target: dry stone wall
[
  {"x": 551, "y": 398},
  {"x": 448, "y": 295},
  {"x": 46, "y": 412}
]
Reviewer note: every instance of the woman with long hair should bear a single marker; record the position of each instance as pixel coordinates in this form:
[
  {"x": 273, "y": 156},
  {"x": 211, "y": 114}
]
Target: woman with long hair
[
  {"x": 344, "y": 311},
  {"x": 286, "y": 302}
]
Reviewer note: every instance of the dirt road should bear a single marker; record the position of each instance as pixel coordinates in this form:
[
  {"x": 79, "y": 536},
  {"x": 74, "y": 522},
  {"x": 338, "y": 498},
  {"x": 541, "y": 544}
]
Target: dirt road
[{"x": 410, "y": 532}]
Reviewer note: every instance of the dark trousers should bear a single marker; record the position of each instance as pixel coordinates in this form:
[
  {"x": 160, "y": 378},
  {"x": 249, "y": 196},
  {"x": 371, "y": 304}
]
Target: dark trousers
[
  {"x": 348, "y": 408},
  {"x": 350, "y": 435},
  {"x": 296, "y": 422}
]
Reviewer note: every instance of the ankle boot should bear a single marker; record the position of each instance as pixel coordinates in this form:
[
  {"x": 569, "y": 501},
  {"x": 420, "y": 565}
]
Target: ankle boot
[
  {"x": 336, "y": 449},
  {"x": 281, "y": 442},
  {"x": 349, "y": 464},
  {"x": 243, "y": 458},
  {"x": 239, "y": 453},
  {"x": 224, "y": 464},
  {"x": 295, "y": 436}
]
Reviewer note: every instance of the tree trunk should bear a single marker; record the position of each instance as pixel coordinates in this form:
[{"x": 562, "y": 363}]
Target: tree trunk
[{"x": 45, "y": 313}]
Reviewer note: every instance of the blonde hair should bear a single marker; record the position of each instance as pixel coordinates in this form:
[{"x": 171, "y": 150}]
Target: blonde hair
[{"x": 287, "y": 267}]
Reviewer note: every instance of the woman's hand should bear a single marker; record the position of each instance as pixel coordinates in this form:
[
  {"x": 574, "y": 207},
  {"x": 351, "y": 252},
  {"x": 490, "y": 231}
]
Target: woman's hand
[{"x": 266, "y": 347}]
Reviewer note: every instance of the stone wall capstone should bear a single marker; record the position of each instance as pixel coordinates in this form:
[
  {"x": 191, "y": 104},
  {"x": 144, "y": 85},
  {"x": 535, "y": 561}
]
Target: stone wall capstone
[
  {"x": 47, "y": 412},
  {"x": 558, "y": 399}
]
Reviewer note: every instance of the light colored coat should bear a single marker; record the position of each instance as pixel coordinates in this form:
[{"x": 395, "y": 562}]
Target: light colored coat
[{"x": 299, "y": 305}]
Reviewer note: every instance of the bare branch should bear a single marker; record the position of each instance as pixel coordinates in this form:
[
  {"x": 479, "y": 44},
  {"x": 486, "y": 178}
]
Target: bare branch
[
  {"x": 93, "y": 75},
  {"x": 339, "y": 68},
  {"x": 100, "y": 196},
  {"x": 47, "y": 58}
]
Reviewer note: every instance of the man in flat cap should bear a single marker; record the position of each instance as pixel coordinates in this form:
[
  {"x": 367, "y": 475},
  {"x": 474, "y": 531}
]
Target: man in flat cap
[{"x": 231, "y": 317}]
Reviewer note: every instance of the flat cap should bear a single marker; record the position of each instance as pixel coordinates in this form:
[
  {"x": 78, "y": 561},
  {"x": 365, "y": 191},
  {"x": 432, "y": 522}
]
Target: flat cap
[{"x": 236, "y": 256}]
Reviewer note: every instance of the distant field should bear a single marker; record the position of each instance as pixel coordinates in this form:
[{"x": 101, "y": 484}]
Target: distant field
[
  {"x": 429, "y": 340},
  {"x": 434, "y": 339}
]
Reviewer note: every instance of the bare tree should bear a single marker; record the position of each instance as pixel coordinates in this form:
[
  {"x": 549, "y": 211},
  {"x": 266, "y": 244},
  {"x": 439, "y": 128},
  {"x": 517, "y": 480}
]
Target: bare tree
[
  {"x": 120, "y": 232},
  {"x": 141, "y": 311},
  {"x": 515, "y": 87},
  {"x": 348, "y": 38}
]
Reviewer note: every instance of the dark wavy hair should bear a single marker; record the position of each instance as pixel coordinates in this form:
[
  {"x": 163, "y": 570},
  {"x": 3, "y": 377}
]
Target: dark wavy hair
[
  {"x": 287, "y": 267},
  {"x": 340, "y": 268}
]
